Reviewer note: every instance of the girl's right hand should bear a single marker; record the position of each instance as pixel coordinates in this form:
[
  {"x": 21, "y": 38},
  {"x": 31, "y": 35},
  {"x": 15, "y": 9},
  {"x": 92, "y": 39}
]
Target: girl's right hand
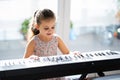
[
  {"x": 75, "y": 52},
  {"x": 34, "y": 57}
]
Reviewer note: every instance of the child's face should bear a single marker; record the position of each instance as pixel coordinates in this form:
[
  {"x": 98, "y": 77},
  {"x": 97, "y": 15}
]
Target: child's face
[{"x": 47, "y": 27}]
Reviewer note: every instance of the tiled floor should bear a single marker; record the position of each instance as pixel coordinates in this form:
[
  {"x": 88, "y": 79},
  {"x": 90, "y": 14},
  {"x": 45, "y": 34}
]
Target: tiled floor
[{"x": 110, "y": 77}]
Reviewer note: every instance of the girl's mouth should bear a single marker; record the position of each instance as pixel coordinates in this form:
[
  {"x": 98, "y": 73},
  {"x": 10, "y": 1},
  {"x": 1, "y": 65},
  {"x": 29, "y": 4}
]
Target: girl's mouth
[{"x": 48, "y": 33}]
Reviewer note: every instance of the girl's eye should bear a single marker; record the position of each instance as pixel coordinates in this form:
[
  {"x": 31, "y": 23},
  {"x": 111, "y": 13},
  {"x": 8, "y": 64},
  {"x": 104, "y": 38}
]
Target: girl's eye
[
  {"x": 53, "y": 28},
  {"x": 46, "y": 28}
]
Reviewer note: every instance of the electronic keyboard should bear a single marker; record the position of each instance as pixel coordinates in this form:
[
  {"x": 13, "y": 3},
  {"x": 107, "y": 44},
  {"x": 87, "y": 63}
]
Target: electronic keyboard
[{"x": 60, "y": 65}]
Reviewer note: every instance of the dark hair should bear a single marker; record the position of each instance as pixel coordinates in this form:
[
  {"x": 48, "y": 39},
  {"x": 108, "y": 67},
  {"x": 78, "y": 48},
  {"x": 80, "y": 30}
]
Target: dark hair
[{"x": 38, "y": 16}]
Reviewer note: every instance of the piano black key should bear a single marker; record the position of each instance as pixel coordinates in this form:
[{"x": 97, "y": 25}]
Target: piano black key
[
  {"x": 96, "y": 54},
  {"x": 59, "y": 59},
  {"x": 108, "y": 53},
  {"x": 78, "y": 56},
  {"x": 102, "y": 53},
  {"x": 91, "y": 55},
  {"x": 68, "y": 58},
  {"x": 75, "y": 57},
  {"x": 87, "y": 55},
  {"x": 48, "y": 59},
  {"x": 99, "y": 54},
  {"x": 82, "y": 56},
  {"x": 114, "y": 53}
]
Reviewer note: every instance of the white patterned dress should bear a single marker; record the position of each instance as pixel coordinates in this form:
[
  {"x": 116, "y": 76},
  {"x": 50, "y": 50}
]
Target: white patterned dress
[{"x": 46, "y": 49}]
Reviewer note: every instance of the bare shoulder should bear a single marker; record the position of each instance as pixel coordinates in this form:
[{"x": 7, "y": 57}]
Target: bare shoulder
[
  {"x": 58, "y": 37},
  {"x": 29, "y": 48},
  {"x": 31, "y": 43}
]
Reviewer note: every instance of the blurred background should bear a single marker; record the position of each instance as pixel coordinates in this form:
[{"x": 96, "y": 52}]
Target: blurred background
[{"x": 85, "y": 25}]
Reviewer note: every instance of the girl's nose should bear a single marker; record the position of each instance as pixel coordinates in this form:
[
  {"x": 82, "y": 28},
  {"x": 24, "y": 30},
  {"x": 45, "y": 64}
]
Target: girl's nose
[{"x": 50, "y": 29}]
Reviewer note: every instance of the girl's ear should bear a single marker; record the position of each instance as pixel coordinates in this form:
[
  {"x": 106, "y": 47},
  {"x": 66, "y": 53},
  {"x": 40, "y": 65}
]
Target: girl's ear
[{"x": 36, "y": 26}]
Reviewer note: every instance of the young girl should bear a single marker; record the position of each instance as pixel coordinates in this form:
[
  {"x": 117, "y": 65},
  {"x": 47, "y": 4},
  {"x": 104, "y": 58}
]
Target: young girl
[{"x": 44, "y": 41}]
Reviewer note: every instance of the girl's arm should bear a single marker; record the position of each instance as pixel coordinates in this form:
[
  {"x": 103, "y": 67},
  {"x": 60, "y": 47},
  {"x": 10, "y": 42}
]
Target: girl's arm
[
  {"x": 29, "y": 49},
  {"x": 61, "y": 45}
]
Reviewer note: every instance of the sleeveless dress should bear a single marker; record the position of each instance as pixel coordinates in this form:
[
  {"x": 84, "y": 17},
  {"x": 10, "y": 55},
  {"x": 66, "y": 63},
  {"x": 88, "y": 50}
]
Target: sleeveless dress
[{"x": 46, "y": 49}]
